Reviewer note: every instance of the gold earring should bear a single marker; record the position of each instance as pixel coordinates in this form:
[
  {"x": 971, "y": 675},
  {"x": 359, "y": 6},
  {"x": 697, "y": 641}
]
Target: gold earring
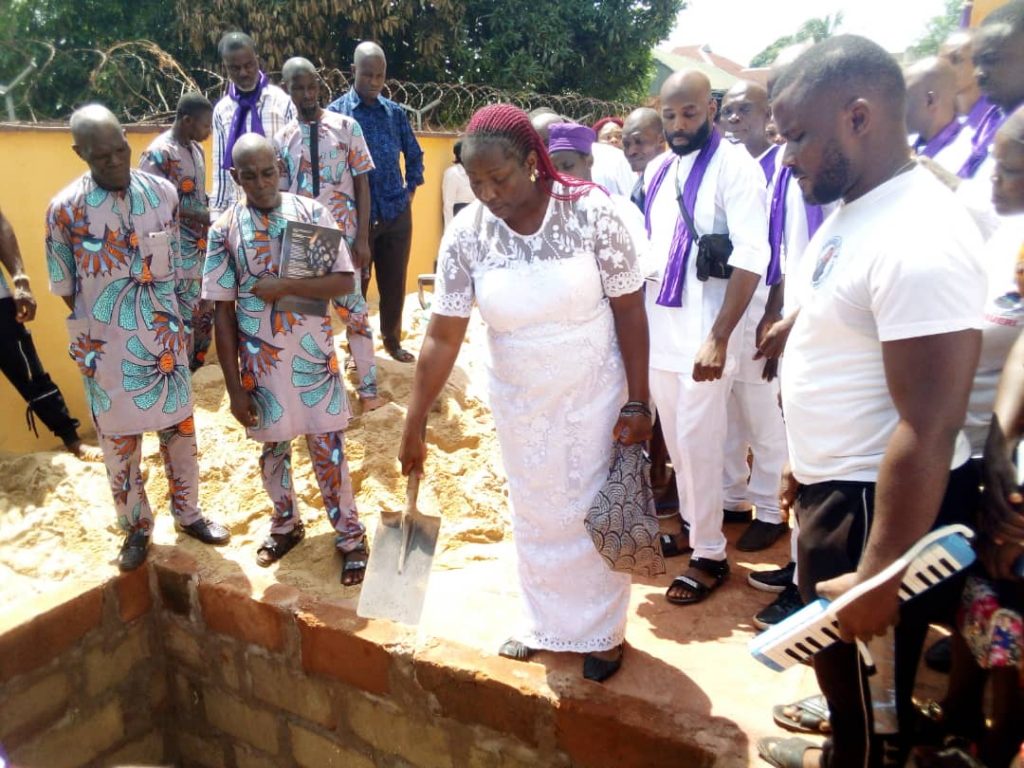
[{"x": 533, "y": 176}]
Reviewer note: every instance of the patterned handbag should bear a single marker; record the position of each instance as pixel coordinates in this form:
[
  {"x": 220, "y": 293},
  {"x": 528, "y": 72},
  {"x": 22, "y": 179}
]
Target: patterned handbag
[{"x": 622, "y": 521}]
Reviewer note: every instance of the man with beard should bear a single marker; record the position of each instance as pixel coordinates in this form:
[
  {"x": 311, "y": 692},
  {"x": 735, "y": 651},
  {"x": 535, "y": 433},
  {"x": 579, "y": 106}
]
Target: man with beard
[
  {"x": 875, "y": 385},
  {"x": 338, "y": 181},
  {"x": 693, "y": 315},
  {"x": 251, "y": 105}
]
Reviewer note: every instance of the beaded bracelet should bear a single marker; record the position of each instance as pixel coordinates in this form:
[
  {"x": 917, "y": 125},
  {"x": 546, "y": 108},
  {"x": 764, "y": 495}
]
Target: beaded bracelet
[{"x": 635, "y": 408}]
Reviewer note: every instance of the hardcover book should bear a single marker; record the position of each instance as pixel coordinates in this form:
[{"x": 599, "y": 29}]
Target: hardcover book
[{"x": 308, "y": 250}]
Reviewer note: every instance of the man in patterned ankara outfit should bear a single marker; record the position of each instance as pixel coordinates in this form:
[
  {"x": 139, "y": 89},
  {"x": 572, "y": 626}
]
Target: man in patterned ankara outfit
[
  {"x": 177, "y": 155},
  {"x": 112, "y": 252},
  {"x": 339, "y": 183},
  {"x": 280, "y": 367}
]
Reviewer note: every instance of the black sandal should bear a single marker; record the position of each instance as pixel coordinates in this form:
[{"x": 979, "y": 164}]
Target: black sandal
[
  {"x": 718, "y": 569},
  {"x": 597, "y": 669},
  {"x": 277, "y": 545},
  {"x": 513, "y": 649},
  {"x": 671, "y": 546},
  {"x": 355, "y": 560}
]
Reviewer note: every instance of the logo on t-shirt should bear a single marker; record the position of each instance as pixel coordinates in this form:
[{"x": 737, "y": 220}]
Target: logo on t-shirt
[{"x": 826, "y": 260}]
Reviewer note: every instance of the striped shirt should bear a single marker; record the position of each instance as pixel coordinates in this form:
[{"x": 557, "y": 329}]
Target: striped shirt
[{"x": 276, "y": 110}]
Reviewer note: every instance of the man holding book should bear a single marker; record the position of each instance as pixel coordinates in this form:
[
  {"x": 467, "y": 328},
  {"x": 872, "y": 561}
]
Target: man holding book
[
  {"x": 267, "y": 253},
  {"x": 337, "y": 180}
]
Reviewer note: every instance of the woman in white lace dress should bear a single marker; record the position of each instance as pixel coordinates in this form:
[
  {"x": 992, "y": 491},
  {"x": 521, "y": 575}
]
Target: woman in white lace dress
[{"x": 553, "y": 271}]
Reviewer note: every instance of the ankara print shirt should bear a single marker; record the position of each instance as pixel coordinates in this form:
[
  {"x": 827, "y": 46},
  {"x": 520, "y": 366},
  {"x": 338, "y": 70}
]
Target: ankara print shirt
[
  {"x": 287, "y": 361},
  {"x": 185, "y": 167},
  {"x": 116, "y": 253},
  {"x": 343, "y": 155}
]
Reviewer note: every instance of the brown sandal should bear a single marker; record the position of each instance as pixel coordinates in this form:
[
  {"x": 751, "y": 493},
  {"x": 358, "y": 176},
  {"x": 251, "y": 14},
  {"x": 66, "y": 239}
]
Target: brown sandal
[{"x": 277, "y": 545}]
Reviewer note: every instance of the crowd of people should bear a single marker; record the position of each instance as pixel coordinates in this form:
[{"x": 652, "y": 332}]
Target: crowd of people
[{"x": 803, "y": 296}]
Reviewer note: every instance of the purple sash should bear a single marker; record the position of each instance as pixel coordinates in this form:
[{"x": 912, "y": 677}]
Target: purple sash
[
  {"x": 977, "y": 113},
  {"x": 767, "y": 162},
  {"x": 981, "y": 140},
  {"x": 777, "y": 224},
  {"x": 247, "y": 102},
  {"x": 942, "y": 139},
  {"x": 674, "y": 279}
]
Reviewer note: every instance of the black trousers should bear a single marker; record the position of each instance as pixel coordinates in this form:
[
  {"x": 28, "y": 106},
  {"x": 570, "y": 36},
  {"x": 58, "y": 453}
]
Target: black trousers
[
  {"x": 390, "y": 242},
  {"x": 22, "y": 367},
  {"x": 835, "y": 518}
]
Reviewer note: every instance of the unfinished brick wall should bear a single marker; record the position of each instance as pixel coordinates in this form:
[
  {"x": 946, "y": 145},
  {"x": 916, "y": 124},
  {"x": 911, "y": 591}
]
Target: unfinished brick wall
[{"x": 160, "y": 667}]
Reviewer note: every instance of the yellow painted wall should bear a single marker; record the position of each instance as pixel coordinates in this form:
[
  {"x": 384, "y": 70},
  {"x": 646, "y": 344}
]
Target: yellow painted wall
[
  {"x": 35, "y": 163},
  {"x": 983, "y": 8}
]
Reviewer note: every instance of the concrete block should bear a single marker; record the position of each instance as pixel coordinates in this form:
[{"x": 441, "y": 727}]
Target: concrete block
[
  {"x": 76, "y": 741},
  {"x": 233, "y": 716},
  {"x": 311, "y": 750}
]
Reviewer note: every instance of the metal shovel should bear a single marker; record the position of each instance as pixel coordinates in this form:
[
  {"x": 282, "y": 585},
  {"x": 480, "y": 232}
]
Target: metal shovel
[{"x": 399, "y": 567}]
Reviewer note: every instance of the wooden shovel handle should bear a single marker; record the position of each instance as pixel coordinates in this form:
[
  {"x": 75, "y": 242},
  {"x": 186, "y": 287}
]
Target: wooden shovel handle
[{"x": 412, "y": 490}]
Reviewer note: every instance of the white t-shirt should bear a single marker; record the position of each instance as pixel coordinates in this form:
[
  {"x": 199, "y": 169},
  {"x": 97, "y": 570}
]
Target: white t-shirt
[
  {"x": 900, "y": 262},
  {"x": 731, "y": 200},
  {"x": 611, "y": 169},
  {"x": 1003, "y": 319},
  {"x": 455, "y": 189},
  {"x": 975, "y": 194}
]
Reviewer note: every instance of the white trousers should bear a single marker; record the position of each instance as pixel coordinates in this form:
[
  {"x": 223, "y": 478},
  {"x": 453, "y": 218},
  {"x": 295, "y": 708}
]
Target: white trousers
[
  {"x": 754, "y": 421},
  {"x": 693, "y": 421}
]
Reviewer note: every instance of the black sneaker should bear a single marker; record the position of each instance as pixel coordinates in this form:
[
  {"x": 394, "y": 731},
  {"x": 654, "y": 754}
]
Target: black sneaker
[
  {"x": 133, "y": 551},
  {"x": 784, "y": 606},
  {"x": 773, "y": 581}
]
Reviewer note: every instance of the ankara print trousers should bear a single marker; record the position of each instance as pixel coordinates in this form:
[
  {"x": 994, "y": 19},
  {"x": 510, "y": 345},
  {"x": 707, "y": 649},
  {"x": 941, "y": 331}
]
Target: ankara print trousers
[
  {"x": 197, "y": 315},
  {"x": 327, "y": 452},
  {"x": 123, "y": 453},
  {"x": 352, "y": 310}
]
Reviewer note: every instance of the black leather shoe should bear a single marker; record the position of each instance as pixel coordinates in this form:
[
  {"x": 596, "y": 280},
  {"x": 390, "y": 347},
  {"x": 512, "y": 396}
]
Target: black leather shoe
[
  {"x": 207, "y": 531},
  {"x": 133, "y": 551},
  {"x": 597, "y": 669},
  {"x": 760, "y": 535}
]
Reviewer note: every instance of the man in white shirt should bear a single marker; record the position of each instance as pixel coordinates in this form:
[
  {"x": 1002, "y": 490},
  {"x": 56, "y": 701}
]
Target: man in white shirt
[
  {"x": 693, "y": 320},
  {"x": 456, "y": 192},
  {"x": 251, "y": 105},
  {"x": 754, "y": 418},
  {"x": 642, "y": 140},
  {"x": 875, "y": 384},
  {"x": 932, "y": 121}
]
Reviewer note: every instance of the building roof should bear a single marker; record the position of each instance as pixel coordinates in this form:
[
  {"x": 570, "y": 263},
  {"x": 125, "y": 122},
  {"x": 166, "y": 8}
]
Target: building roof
[
  {"x": 720, "y": 79},
  {"x": 704, "y": 53}
]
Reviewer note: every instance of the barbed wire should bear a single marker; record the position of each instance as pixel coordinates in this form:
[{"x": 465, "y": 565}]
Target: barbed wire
[{"x": 141, "y": 83}]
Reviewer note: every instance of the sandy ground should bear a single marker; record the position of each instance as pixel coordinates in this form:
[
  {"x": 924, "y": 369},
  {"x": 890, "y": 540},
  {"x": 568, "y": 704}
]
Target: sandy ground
[{"x": 57, "y": 523}]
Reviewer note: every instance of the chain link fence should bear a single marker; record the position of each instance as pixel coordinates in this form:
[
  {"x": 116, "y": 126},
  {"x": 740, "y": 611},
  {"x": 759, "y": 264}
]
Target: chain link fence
[{"x": 141, "y": 83}]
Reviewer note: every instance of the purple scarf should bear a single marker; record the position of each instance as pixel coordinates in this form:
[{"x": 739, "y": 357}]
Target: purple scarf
[
  {"x": 777, "y": 224},
  {"x": 767, "y": 162},
  {"x": 981, "y": 140},
  {"x": 941, "y": 140},
  {"x": 247, "y": 103},
  {"x": 672, "y": 283},
  {"x": 977, "y": 113}
]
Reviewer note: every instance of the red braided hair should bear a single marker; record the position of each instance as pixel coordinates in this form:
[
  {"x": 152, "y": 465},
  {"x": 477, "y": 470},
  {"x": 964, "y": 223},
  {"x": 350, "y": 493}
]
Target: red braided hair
[{"x": 508, "y": 123}]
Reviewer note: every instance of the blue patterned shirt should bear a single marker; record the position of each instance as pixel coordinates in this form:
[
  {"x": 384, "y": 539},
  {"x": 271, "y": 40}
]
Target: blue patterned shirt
[{"x": 388, "y": 135}]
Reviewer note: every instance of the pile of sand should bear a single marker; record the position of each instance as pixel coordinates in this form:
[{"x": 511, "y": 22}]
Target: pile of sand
[{"x": 57, "y": 521}]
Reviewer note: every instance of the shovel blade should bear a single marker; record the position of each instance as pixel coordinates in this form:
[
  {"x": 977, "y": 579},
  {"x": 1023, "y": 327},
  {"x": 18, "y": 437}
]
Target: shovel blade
[{"x": 386, "y": 593}]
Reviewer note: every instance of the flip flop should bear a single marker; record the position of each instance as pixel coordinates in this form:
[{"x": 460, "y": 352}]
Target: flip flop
[
  {"x": 811, "y": 716},
  {"x": 784, "y": 753}
]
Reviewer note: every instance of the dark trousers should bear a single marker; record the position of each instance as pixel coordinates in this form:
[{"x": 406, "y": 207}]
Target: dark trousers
[
  {"x": 20, "y": 364},
  {"x": 835, "y": 518},
  {"x": 390, "y": 242}
]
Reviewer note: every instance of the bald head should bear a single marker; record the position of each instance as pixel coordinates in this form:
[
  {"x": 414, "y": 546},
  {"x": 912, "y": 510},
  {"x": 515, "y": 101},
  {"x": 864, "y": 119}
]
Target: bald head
[
  {"x": 931, "y": 96},
  {"x": 369, "y": 71},
  {"x": 256, "y": 170},
  {"x": 296, "y": 66},
  {"x": 745, "y": 115},
  {"x": 366, "y": 51},
  {"x": 687, "y": 111},
  {"x": 642, "y": 138},
  {"x": 785, "y": 57},
  {"x": 99, "y": 140}
]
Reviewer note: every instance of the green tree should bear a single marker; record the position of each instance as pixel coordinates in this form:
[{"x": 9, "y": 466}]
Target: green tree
[
  {"x": 815, "y": 30},
  {"x": 937, "y": 29}
]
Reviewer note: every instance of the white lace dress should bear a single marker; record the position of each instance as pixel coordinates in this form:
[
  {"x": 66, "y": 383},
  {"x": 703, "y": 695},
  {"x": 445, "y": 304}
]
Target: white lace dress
[{"x": 557, "y": 383}]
